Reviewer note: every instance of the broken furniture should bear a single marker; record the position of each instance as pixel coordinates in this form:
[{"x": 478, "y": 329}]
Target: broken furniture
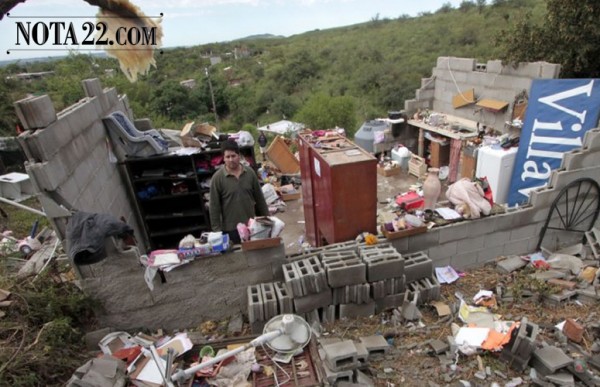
[
  {"x": 128, "y": 141},
  {"x": 171, "y": 193},
  {"x": 15, "y": 186},
  {"x": 339, "y": 188},
  {"x": 575, "y": 209}
]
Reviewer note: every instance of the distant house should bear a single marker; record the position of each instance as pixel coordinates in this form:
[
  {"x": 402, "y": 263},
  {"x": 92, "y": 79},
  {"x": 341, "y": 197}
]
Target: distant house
[
  {"x": 30, "y": 76},
  {"x": 215, "y": 60},
  {"x": 189, "y": 83}
]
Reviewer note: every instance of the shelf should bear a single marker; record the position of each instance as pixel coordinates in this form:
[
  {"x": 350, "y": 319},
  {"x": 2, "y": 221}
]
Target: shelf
[
  {"x": 170, "y": 196},
  {"x": 178, "y": 230},
  {"x": 161, "y": 178},
  {"x": 174, "y": 215}
]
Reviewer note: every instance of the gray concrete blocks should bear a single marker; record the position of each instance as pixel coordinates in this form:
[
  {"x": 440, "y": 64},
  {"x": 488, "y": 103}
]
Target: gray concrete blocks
[
  {"x": 362, "y": 354},
  {"x": 510, "y": 264},
  {"x": 35, "y": 112},
  {"x": 417, "y": 265},
  {"x": 255, "y": 304},
  {"x": 382, "y": 262},
  {"x": 375, "y": 344},
  {"x": 357, "y": 294},
  {"x": 460, "y": 64},
  {"x": 313, "y": 301},
  {"x": 548, "y": 360},
  {"x": 292, "y": 280},
  {"x": 286, "y": 304},
  {"x": 519, "y": 349},
  {"x": 389, "y": 301},
  {"x": 345, "y": 271},
  {"x": 335, "y": 378},
  {"x": 269, "y": 299},
  {"x": 340, "y": 356},
  {"x": 357, "y": 310},
  {"x": 311, "y": 276}
]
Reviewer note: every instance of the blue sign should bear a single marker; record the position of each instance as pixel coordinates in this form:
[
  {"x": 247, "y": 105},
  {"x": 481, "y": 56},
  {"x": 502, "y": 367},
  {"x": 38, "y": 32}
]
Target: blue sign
[{"x": 558, "y": 114}]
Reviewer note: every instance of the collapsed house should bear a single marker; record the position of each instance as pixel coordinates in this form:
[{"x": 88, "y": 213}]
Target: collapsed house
[{"x": 70, "y": 166}]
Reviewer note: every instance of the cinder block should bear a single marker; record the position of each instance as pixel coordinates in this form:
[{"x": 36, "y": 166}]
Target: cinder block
[
  {"x": 362, "y": 354},
  {"x": 482, "y": 226},
  {"x": 417, "y": 265},
  {"x": 49, "y": 175},
  {"x": 35, "y": 112},
  {"x": 341, "y": 355},
  {"x": 355, "y": 310},
  {"x": 269, "y": 298},
  {"x": 292, "y": 280},
  {"x": 453, "y": 232},
  {"x": 548, "y": 360},
  {"x": 470, "y": 244},
  {"x": 313, "y": 301},
  {"x": 345, "y": 271},
  {"x": 389, "y": 301},
  {"x": 517, "y": 352},
  {"x": 335, "y": 378},
  {"x": 93, "y": 88},
  {"x": 255, "y": 304},
  {"x": 284, "y": 300},
  {"x": 375, "y": 345},
  {"x": 510, "y": 264}
]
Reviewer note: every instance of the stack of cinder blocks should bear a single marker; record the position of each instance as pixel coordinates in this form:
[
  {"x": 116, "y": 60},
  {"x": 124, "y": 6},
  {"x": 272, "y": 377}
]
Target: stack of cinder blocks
[
  {"x": 350, "y": 280},
  {"x": 343, "y": 359},
  {"x": 266, "y": 301}
]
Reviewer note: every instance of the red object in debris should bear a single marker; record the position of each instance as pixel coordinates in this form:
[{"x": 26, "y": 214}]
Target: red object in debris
[
  {"x": 409, "y": 200},
  {"x": 128, "y": 354},
  {"x": 541, "y": 264},
  {"x": 573, "y": 330}
]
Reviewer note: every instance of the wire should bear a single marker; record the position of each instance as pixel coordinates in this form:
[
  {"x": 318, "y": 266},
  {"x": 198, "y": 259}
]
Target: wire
[{"x": 289, "y": 378}]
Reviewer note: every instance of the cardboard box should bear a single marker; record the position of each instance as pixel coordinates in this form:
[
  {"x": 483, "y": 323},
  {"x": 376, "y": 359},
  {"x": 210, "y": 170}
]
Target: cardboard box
[
  {"x": 261, "y": 244},
  {"x": 404, "y": 233},
  {"x": 290, "y": 196},
  {"x": 388, "y": 171},
  {"x": 417, "y": 166}
]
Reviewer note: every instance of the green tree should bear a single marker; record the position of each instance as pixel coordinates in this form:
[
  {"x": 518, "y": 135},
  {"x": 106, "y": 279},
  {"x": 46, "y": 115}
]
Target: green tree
[
  {"x": 324, "y": 112},
  {"x": 569, "y": 36}
]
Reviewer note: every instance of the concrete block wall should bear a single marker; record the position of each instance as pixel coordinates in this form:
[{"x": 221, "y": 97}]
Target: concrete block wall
[
  {"x": 67, "y": 156},
  {"x": 476, "y": 242},
  {"x": 452, "y": 76}
]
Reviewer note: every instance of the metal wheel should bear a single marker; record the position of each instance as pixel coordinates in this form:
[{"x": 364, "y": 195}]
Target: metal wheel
[{"x": 575, "y": 209}]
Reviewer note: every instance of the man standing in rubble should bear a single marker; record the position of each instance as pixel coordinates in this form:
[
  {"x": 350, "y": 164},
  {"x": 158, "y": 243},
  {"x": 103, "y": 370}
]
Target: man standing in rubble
[{"x": 235, "y": 194}]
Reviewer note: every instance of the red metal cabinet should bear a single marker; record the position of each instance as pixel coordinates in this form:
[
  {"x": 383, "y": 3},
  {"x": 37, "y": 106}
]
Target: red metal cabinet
[{"x": 339, "y": 189}]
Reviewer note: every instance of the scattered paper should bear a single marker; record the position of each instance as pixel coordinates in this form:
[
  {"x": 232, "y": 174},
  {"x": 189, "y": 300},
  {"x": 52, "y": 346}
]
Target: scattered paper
[
  {"x": 448, "y": 213},
  {"x": 473, "y": 337},
  {"x": 482, "y": 294},
  {"x": 441, "y": 308},
  {"x": 446, "y": 275},
  {"x": 166, "y": 259}
]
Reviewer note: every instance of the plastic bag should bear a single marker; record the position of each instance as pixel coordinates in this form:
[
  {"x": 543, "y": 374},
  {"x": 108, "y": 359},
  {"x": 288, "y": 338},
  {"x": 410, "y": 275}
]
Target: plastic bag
[
  {"x": 269, "y": 193},
  {"x": 277, "y": 227},
  {"x": 243, "y": 138}
]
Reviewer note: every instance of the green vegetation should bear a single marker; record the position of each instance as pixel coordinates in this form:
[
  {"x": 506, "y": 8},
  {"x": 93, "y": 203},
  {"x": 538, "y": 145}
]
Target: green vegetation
[{"x": 327, "y": 78}]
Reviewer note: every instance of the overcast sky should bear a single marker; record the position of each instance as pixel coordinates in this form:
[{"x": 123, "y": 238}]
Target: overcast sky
[{"x": 193, "y": 22}]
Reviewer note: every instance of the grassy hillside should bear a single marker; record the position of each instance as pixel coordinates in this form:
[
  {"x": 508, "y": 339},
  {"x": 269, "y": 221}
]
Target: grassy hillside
[{"x": 375, "y": 65}]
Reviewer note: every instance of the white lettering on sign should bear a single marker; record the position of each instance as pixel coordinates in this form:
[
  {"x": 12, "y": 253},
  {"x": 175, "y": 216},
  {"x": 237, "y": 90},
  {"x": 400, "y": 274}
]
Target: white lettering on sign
[{"x": 531, "y": 169}]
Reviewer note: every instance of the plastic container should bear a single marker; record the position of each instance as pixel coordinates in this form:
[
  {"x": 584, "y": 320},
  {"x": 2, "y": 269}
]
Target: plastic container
[{"x": 402, "y": 156}]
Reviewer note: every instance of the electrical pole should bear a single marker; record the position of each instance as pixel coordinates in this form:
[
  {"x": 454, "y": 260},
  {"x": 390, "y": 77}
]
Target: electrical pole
[{"x": 212, "y": 97}]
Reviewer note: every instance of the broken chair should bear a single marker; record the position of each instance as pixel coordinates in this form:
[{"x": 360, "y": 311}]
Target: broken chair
[{"x": 128, "y": 141}]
